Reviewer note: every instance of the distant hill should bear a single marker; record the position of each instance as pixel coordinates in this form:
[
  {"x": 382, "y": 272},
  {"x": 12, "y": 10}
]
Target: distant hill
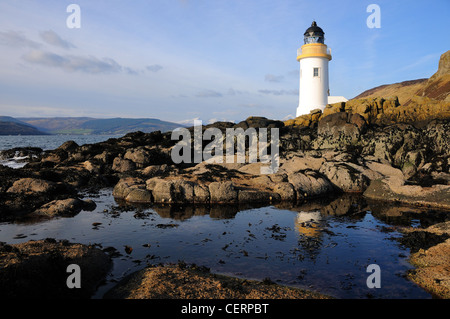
[
  {"x": 57, "y": 125},
  {"x": 13, "y": 126},
  {"x": 126, "y": 125},
  {"x": 88, "y": 125}
]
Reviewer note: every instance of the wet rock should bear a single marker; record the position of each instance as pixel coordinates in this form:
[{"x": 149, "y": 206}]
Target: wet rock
[
  {"x": 38, "y": 269},
  {"x": 91, "y": 167},
  {"x": 183, "y": 191},
  {"x": 171, "y": 191},
  {"x": 140, "y": 156},
  {"x": 417, "y": 240},
  {"x": 155, "y": 170},
  {"x": 223, "y": 192},
  {"x": 54, "y": 156},
  {"x": 69, "y": 146},
  {"x": 64, "y": 207},
  {"x": 345, "y": 177},
  {"x": 31, "y": 185},
  {"x": 259, "y": 122},
  {"x": 431, "y": 256},
  {"x": 342, "y": 124},
  {"x": 123, "y": 165},
  {"x": 298, "y": 163},
  {"x": 162, "y": 190},
  {"x": 395, "y": 190},
  {"x": 201, "y": 194},
  {"x": 246, "y": 196},
  {"x": 139, "y": 195},
  {"x": 125, "y": 185},
  {"x": 286, "y": 191},
  {"x": 105, "y": 157},
  {"x": 310, "y": 184}
]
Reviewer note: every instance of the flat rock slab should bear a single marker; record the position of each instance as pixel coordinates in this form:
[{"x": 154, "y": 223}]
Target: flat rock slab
[
  {"x": 437, "y": 196},
  {"x": 177, "y": 282}
]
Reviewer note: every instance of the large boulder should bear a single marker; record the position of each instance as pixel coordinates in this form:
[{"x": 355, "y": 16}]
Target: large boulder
[
  {"x": 310, "y": 184},
  {"x": 286, "y": 191},
  {"x": 345, "y": 177},
  {"x": 65, "y": 207},
  {"x": 172, "y": 191},
  {"x": 69, "y": 146},
  {"x": 126, "y": 185},
  {"x": 140, "y": 156},
  {"x": 259, "y": 122},
  {"x": 201, "y": 193},
  {"x": 342, "y": 123},
  {"x": 123, "y": 165},
  {"x": 139, "y": 195},
  {"x": 31, "y": 186},
  {"x": 223, "y": 192}
]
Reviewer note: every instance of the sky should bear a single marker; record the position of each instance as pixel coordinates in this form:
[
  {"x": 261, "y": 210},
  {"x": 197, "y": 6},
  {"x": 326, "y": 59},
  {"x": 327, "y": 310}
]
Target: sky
[{"x": 211, "y": 60}]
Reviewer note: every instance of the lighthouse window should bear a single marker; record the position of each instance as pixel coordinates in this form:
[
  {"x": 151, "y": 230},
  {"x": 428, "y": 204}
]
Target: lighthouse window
[{"x": 316, "y": 72}]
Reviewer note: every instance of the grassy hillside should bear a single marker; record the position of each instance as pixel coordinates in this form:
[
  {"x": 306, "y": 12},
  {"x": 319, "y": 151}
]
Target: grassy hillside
[
  {"x": 403, "y": 90},
  {"x": 437, "y": 87}
]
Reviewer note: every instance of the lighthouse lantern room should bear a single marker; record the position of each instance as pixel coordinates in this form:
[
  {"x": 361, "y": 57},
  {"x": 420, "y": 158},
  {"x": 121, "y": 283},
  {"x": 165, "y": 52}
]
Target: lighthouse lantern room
[{"x": 313, "y": 57}]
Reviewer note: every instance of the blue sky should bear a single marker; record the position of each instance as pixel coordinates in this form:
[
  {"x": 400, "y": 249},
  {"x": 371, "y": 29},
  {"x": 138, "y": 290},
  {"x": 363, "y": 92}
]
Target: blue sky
[{"x": 179, "y": 60}]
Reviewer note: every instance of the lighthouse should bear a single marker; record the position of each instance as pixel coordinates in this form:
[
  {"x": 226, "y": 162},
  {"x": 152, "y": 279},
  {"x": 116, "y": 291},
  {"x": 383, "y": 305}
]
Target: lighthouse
[{"x": 313, "y": 57}]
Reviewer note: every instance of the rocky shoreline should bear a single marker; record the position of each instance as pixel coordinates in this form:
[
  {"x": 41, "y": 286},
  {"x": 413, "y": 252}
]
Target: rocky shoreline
[{"x": 398, "y": 163}]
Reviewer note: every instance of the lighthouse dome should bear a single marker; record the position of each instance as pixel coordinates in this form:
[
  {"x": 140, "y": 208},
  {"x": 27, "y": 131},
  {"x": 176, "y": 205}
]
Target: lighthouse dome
[{"x": 314, "y": 34}]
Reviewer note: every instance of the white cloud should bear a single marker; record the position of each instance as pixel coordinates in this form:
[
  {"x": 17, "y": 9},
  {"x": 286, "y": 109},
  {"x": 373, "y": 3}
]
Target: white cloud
[
  {"x": 73, "y": 63},
  {"x": 50, "y": 37}
]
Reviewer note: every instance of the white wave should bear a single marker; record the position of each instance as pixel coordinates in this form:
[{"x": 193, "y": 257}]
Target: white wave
[{"x": 13, "y": 163}]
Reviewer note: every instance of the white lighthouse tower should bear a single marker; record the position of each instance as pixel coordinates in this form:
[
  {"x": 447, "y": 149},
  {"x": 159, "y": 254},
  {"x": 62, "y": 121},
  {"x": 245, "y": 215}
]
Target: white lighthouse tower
[{"x": 313, "y": 57}]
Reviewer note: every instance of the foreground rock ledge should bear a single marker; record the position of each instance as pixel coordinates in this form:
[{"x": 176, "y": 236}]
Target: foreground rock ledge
[
  {"x": 38, "y": 269},
  {"x": 433, "y": 264},
  {"x": 177, "y": 282}
]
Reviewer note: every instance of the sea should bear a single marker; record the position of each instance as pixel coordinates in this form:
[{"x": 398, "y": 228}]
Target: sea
[{"x": 46, "y": 142}]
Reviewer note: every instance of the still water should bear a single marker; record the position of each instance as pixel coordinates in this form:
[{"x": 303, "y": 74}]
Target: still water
[{"x": 321, "y": 246}]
